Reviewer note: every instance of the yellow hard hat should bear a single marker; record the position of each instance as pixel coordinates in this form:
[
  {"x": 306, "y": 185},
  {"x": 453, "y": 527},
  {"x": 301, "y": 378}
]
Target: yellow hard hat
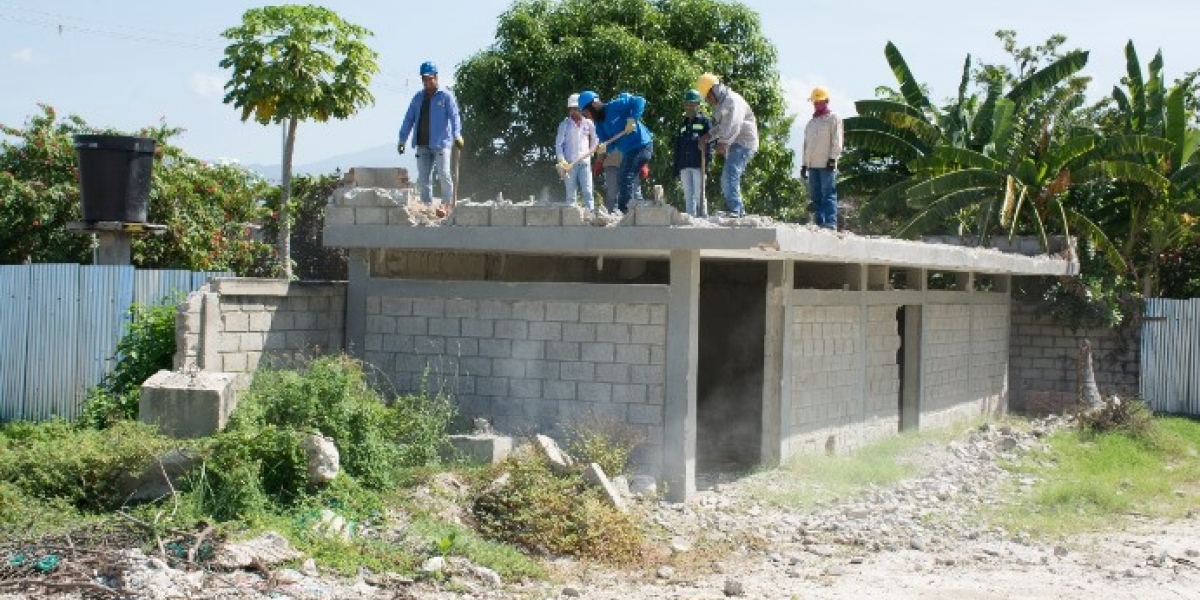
[
  {"x": 704, "y": 83},
  {"x": 819, "y": 94}
]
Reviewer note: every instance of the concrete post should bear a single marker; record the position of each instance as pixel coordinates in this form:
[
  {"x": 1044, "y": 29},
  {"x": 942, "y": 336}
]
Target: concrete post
[
  {"x": 114, "y": 248},
  {"x": 359, "y": 272},
  {"x": 777, "y": 400},
  {"x": 683, "y": 310},
  {"x": 210, "y": 332}
]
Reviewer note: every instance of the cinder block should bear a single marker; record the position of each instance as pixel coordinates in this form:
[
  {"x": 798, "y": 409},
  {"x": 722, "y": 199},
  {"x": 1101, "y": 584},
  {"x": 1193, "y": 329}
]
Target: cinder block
[
  {"x": 371, "y": 216},
  {"x": 472, "y": 215},
  {"x": 543, "y": 216},
  {"x": 653, "y": 216},
  {"x": 508, "y": 216},
  {"x": 574, "y": 216},
  {"x": 489, "y": 449},
  {"x": 378, "y": 177},
  {"x": 339, "y": 215},
  {"x": 188, "y": 405}
]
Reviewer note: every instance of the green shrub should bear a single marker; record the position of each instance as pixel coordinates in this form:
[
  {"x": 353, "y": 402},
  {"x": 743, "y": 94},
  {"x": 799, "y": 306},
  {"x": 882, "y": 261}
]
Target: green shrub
[
  {"x": 551, "y": 514},
  {"x": 257, "y": 461},
  {"x": 83, "y": 467},
  {"x": 147, "y": 347}
]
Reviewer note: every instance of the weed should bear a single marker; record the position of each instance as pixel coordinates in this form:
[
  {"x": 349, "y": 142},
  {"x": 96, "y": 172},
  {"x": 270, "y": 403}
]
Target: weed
[
  {"x": 91, "y": 474},
  {"x": 606, "y": 442},
  {"x": 1090, "y": 478},
  {"x": 1129, "y": 415},
  {"x": 547, "y": 513},
  {"x": 147, "y": 346}
]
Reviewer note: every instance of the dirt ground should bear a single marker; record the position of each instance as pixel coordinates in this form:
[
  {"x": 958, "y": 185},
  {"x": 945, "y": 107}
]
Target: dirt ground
[{"x": 917, "y": 539}]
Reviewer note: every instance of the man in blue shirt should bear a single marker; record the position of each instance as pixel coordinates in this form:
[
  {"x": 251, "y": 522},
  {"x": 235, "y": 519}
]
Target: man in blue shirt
[
  {"x": 621, "y": 117},
  {"x": 434, "y": 123}
]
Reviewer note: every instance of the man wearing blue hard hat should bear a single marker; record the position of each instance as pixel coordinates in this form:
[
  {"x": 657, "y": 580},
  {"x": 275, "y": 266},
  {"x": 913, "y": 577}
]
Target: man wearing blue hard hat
[
  {"x": 434, "y": 122},
  {"x": 618, "y": 122}
]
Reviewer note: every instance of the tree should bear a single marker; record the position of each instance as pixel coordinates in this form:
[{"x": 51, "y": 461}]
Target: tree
[
  {"x": 513, "y": 94},
  {"x": 209, "y": 210},
  {"x": 314, "y": 260},
  {"x": 292, "y": 63}
]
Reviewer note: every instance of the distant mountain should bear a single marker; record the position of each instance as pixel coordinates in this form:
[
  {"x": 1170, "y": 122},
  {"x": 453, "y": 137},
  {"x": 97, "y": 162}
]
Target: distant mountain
[{"x": 378, "y": 156}]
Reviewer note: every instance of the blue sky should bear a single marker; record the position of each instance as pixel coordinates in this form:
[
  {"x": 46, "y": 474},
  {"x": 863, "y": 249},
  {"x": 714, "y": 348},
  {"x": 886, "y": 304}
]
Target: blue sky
[{"x": 132, "y": 63}]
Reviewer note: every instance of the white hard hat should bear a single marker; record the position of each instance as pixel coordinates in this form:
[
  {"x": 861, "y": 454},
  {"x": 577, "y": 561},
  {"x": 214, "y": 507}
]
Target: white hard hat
[{"x": 573, "y": 101}]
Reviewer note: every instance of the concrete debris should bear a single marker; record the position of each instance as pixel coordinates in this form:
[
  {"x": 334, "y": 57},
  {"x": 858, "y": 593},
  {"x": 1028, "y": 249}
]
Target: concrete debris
[
  {"x": 559, "y": 461},
  {"x": 268, "y": 549},
  {"x": 594, "y": 475}
]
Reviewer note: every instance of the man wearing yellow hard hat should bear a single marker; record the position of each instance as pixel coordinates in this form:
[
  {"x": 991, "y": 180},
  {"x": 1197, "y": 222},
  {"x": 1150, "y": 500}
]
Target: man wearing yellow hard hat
[
  {"x": 735, "y": 130},
  {"x": 822, "y": 148}
]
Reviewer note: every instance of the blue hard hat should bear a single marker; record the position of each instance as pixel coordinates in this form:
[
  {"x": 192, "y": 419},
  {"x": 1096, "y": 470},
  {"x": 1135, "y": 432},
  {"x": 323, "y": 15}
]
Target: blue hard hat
[
  {"x": 586, "y": 97},
  {"x": 691, "y": 96},
  {"x": 428, "y": 68}
]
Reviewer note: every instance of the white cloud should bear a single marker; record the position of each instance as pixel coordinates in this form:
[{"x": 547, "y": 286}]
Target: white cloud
[
  {"x": 208, "y": 85},
  {"x": 24, "y": 55}
]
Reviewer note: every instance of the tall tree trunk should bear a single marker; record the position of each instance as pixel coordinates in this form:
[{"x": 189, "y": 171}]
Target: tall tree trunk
[{"x": 285, "y": 197}]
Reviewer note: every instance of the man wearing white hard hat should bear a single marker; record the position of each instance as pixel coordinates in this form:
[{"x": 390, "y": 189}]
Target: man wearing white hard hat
[{"x": 573, "y": 146}]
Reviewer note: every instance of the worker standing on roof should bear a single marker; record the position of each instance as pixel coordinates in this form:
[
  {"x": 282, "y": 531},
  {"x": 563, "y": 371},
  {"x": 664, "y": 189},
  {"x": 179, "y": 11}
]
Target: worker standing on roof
[
  {"x": 690, "y": 156},
  {"x": 736, "y": 133},
  {"x": 621, "y": 116},
  {"x": 433, "y": 120},
  {"x": 576, "y": 140},
  {"x": 822, "y": 148}
]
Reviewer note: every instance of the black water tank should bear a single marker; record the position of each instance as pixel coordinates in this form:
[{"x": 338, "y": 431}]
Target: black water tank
[{"x": 114, "y": 176}]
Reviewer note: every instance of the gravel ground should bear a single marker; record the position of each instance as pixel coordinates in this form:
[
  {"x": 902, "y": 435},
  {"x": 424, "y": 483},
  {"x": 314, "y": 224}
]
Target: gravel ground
[{"x": 917, "y": 539}]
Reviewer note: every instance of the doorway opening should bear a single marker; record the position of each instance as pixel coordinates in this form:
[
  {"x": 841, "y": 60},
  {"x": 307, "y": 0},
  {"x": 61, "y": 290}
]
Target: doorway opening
[{"x": 729, "y": 385}]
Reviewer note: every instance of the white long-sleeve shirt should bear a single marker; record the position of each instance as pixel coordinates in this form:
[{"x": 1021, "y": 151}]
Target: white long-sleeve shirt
[
  {"x": 822, "y": 141},
  {"x": 574, "y": 139},
  {"x": 734, "y": 121}
]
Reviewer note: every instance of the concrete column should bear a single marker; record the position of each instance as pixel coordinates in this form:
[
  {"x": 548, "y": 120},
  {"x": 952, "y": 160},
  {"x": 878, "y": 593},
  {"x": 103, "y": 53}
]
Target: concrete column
[
  {"x": 1002, "y": 283},
  {"x": 359, "y": 272},
  {"x": 917, "y": 279},
  {"x": 777, "y": 398},
  {"x": 914, "y": 389},
  {"x": 964, "y": 282},
  {"x": 877, "y": 277},
  {"x": 114, "y": 248},
  {"x": 209, "y": 355},
  {"x": 683, "y": 331}
]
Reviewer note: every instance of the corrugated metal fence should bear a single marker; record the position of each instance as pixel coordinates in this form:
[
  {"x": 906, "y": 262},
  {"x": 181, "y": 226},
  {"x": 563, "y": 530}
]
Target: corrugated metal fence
[
  {"x": 59, "y": 327},
  {"x": 1170, "y": 369}
]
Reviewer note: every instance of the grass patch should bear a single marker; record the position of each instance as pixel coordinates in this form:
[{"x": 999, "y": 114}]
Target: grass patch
[
  {"x": 811, "y": 480},
  {"x": 1088, "y": 480}
]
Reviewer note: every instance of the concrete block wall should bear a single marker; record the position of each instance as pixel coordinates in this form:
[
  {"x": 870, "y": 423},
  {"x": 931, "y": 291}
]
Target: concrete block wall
[
  {"x": 883, "y": 373},
  {"x": 966, "y": 354},
  {"x": 232, "y": 325},
  {"x": 529, "y": 364},
  {"x": 1044, "y": 360},
  {"x": 825, "y": 376},
  {"x": 946, "y": 352}
]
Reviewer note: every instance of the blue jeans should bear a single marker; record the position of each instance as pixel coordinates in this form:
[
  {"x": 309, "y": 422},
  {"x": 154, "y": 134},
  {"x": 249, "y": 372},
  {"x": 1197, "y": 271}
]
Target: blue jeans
[
  {"x": 823, "y": 191},
  {"x": 427, "y": 159},
  {"x": 631, "y": 168},
  {"x": 612, "y": 187},
  {"x": 579, "y": 179},
  {"x": 693, "y": 182},
  {"x": 736, "y": 159}
]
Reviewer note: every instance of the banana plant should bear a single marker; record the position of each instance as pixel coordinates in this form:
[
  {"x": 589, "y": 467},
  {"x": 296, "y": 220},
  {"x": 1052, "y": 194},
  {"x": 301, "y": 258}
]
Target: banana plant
[
  {"x": 1145, "y": 220},
  {"x": 1019, "y": 162}
]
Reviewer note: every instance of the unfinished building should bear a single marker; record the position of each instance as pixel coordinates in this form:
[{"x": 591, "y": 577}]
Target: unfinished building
[{"x": 729, "y": 343}]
